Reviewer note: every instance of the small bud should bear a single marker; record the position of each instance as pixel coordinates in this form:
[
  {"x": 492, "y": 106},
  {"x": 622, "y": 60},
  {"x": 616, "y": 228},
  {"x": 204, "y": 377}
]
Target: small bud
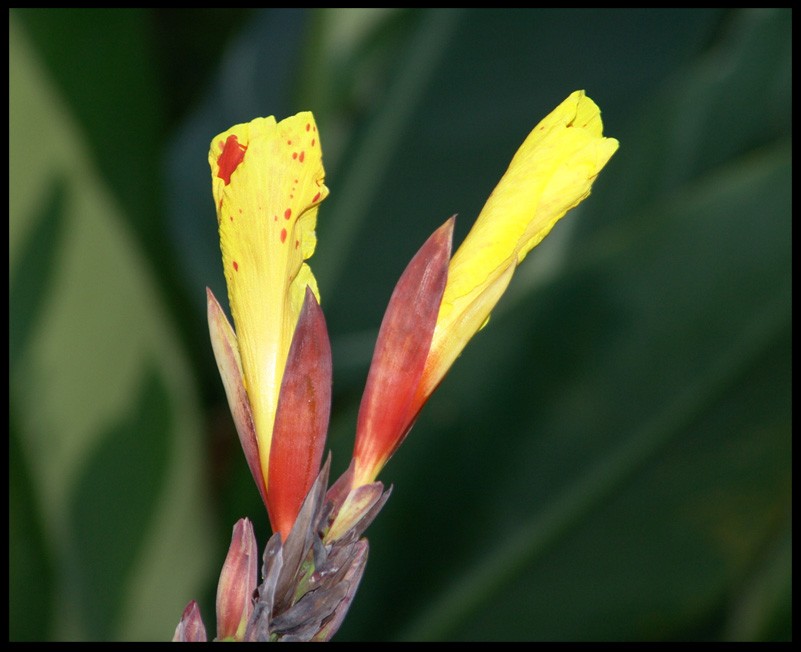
[
  {"x": 237, "y": 583},
  {"x": 191, "y": 628},
  {"x": 357, "y": 511}
]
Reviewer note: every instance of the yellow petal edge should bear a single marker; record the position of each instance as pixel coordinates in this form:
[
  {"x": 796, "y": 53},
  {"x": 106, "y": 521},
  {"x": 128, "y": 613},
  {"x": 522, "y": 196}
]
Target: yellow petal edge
[
  {"x": 552, "y": 172},
  {"x": 267, "y": 182}
]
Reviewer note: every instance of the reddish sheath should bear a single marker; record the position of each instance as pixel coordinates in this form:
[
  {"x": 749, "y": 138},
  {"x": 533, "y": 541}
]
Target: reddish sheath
[
  {"x": 301, "y": 419},
  {"x": 387, "y": 411}
]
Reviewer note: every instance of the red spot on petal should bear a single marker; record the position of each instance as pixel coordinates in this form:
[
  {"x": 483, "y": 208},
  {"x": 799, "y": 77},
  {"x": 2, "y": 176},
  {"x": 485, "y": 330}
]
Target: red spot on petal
[
  {"x": 316, "y": 197},
  {"x": 229, "y": 159},
  {"x": 275, "y": 218},
  {"x": 231, "y": 217},
  {"x": 287, "y": 213},
  {"x": 294, "y": 154},
  {"x": 297, "y": 244},
  {"x": 236, "y": 266},
  {"x": 308, "y": 126},
  {"x": 302, "y": 156},
  {"x": 314, "y": 140},
  {"x": 289, "y": 142},
  {"x": 283, "y": 236}
]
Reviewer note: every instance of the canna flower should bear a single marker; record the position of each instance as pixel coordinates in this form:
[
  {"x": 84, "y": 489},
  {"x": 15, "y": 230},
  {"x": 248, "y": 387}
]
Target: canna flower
[
  {"x": 268, "y": 182},
  {"x": 424, "y": 330},
  {"x": 275, "y": 363}
]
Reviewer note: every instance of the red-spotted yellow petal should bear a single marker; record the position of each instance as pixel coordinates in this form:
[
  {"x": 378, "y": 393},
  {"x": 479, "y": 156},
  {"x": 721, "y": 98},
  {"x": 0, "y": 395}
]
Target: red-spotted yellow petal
[
  {"x": 551, "y": 173},
  {"x": 267, "y": 181}
]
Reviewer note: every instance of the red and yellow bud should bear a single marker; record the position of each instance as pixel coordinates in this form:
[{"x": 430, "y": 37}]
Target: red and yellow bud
[
  {"x": 267, "y": 181},
  {"x": 551, "y": 173}
]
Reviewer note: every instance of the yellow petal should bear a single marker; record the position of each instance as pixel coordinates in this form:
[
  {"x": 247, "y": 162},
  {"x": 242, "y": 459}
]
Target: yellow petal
[
  {"x": 551, "y": 173},
  {"x": 267, "y": 181}
]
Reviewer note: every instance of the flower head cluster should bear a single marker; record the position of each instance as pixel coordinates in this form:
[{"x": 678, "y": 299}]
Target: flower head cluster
[{"x": 275, "y": 363}]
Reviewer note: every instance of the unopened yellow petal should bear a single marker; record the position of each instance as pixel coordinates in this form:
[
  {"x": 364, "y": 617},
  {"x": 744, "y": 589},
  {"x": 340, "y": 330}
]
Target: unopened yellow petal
[
  {"x": 267, "y": 181},
  {"x": 551, "y": 173}
]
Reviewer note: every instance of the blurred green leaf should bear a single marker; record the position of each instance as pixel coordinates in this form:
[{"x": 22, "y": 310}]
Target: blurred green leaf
[
  {"x": 130, "y": 455},
  {"x": 30, "y": 585},
  {"x": 31, "y": 281},
  {"x": 107, "y": 479},
  {"x": 87, "y": 50}
]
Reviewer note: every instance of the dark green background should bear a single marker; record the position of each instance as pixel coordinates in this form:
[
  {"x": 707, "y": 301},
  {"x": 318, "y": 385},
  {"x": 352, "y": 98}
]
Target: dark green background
[{"x": 609, "y": 459}]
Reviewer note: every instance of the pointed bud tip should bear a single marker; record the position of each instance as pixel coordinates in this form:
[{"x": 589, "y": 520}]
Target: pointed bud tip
[
  {"x": 191, "y": 628},
  {"x": 237, "y": 582}
]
